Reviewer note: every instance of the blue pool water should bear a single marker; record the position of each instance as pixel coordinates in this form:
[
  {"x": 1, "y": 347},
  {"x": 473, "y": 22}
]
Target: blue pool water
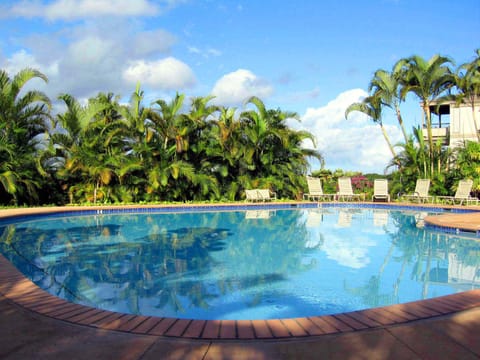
[{"x": 256, "y": 264}]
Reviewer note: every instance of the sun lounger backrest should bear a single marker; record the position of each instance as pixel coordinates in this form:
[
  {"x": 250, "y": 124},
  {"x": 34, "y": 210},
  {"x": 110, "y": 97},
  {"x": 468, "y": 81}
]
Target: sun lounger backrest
[
  {"x": 251, "y": 195},
  {"x": 345, "y": 186},
  {"x": 380, "y": 190},
  {"x": 464, "y": 189},
  {"x": 314, "y": 186},
  {"x": 265, "y": 194},
  {"x": 422, "y": 186},
  {"x": 380, "y": 187}
]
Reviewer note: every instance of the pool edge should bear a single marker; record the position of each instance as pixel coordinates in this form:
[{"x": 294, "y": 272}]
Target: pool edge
[{"x": 20, "y": 290}]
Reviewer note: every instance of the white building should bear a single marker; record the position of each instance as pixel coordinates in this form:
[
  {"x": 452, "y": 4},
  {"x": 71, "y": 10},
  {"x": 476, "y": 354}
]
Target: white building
[{"x": 454, "y": 123}]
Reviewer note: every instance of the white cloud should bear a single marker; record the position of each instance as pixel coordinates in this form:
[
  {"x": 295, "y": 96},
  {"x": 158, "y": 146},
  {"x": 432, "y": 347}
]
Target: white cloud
[
  {"x": 194, "y": 50},
  {"x": 93, "y": 56},
  {"x": 90, "y": 50},
  {"x": 75, "y": 9},
  {"x": 21, "y": 60},
  {"x": 168, "y": 73},
  {"x": 348, "y": 251},
  {"x": 213, "y": 52},
  {"x": 206, "y": 53},
  {"x": 152, "y": 42},
  {"x": 235, "y": 87},
  {"x": 353, "y": 144},
  {"x": 334, "y": 111},
  {"x": 88, "y": 65}
]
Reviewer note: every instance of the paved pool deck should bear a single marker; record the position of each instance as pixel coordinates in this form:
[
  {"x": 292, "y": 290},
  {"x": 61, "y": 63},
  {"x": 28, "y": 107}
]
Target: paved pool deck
[{"x": 37, "y": 325}]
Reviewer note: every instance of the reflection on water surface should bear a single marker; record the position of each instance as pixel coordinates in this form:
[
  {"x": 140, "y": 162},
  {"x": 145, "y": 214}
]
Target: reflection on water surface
[{"x": 239, "y": 265}]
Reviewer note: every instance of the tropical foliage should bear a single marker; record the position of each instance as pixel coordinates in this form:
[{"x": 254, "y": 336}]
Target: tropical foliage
[
  {"x": 178, "y": 150},
  {"x": 103, "y": 151},
  {"x": 420, "y": 156},
  {"x": 24, "y": 124}
]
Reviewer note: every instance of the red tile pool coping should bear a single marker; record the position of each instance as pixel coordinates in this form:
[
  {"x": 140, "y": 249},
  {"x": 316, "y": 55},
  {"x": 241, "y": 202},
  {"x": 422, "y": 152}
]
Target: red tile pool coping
[{"x": 17, "y": 288}]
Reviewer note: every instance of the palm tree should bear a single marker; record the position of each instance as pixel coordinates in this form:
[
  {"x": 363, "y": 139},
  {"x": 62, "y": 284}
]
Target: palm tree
[
  {"x": 273, "y": 154},
  {"x": 414, "y": 163},
  {"x": 94, "y": 168},
  {"x": 468, "y": 163},
  {"x": 227, "y": 126},
  {"x": 202, "y": 154},
  {"x": 24, "y": 125},
  {"x": 372, "y": 107},
  {"x": 264, "y": 131},
  {"x": 201, "y": 112},
  {"x": 386, "y": 85},
  {"x": 256, "y": 128},
  {"x": 8, "y": 178},
  {"x": 106, "y": 150},
  {"x": 139, "y": 129},
  {"x": 81, "y": 146},
  {"x": 428, "y": 80},
  {"x": 170, "y": 123},
  {"x": 225, "y": 150}
]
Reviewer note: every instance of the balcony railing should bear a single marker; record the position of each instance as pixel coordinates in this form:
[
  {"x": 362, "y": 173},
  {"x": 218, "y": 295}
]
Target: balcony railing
[{"x": 438, "y": 134}]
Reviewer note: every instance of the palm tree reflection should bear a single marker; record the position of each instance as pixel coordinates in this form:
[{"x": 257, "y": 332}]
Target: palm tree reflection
[
  {"x": 433, "y": 259},
  {"x": 179, "y": 262},
  {"x": 172, "y": 267}
]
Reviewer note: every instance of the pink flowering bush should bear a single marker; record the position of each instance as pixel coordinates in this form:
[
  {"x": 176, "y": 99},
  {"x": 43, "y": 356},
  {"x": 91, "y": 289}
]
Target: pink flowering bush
[{"x": 361, "y": 184}]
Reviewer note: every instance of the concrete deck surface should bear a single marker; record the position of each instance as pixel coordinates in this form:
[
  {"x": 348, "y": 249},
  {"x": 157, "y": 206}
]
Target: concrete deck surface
[{"x": 27, "y": 335}]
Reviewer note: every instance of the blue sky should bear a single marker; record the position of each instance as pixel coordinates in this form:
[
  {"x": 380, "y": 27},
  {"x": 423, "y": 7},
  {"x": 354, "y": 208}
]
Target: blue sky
[{"x": 312, "y": 57}]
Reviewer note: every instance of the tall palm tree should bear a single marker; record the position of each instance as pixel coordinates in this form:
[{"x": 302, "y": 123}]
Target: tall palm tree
[
  {"x": 199, "y": 120},
  {"x": 225, "y": 150},
  {"x": 372, "y": 107},
  {"x": 202, "y": 153},
  {"x": 386, "y": 85},
  {"x": 264, "y": 130},
  {"x": 81, "y": 146},
  {"x": 170, "y": 122},
  {"x": 24, "y": 124},
  {"x": 138, "y": 126},
  {"x": 273, "y": 153},
  {"x": 428, "y": 80},
  {"x": 201, "y": 111},
  {"x": 106, "y": 150},
  {"x": 8, "y": 178},
  {"x": 94, "y": 167}
]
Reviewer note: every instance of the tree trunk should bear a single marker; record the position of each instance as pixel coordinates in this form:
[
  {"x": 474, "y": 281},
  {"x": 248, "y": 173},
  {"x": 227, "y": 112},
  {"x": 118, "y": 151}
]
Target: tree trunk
[
  {"x": 387, "y": 139},
  {"x": 400, "y": 122},
  {"x": 474, "y": 113},
  {"x": 428, "y": 122},
  {"x": 95, "y": 192}
]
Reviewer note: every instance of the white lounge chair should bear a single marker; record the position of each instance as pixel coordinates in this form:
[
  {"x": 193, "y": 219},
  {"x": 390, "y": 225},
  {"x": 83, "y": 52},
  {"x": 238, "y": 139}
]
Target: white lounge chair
[
  {"x": 257, "y": 214},
  {"x": 461, "y": 195},
  {"x": 315, "y": 190},
  {"x": 421, "y": 191},
  {"x": 266, "y": 195},
  {"x": 380, "y": 190},
  {"x": 314, "y": 218},
  {"x": 380, "y": 218},
  {"x": 344, "y": 218},
  {"x": 345, "y": 190},
  {"x": 420, "y": 219},
  {"x": 251, "y": 195}
]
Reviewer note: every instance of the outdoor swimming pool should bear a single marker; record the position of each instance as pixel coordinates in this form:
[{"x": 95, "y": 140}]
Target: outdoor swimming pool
[{"x": 263, "y": 263}]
